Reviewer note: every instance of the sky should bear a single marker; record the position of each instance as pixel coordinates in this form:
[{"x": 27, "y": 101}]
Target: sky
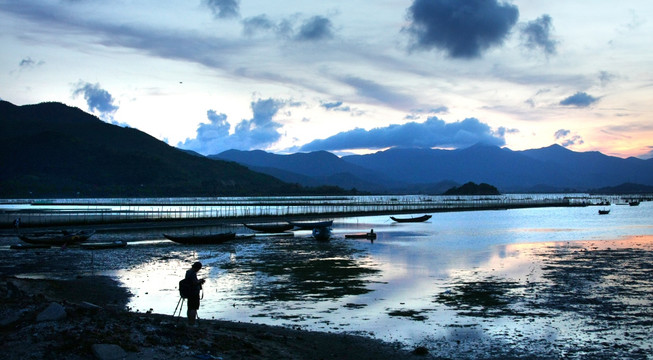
[{"x": 349, "y": 77}]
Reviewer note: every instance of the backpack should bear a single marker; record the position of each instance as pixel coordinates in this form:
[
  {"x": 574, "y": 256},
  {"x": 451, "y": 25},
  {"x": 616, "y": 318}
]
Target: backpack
[{"x": 185, "y": 289}]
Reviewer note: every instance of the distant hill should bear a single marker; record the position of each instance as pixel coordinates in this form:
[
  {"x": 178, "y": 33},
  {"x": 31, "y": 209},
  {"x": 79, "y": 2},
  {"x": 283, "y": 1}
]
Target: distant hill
[
  {"x": 52, "y": 150},
  {"x": 550, "y": 169},
  {"x": 473, "y": 189}
]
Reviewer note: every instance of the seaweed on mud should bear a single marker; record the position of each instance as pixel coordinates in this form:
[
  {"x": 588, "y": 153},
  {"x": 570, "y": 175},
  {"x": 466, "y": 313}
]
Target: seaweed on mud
[
  {"x": 412, "y": 314},
  {"x": 487, "y": 298}
]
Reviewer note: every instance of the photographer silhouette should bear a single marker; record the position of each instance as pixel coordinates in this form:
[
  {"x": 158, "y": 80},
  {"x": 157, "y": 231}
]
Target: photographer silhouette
[{"x": 194, "y": 291}]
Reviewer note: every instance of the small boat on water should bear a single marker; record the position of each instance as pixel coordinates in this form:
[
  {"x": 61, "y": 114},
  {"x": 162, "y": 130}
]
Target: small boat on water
[
  {"x": 55, "y": 239},
  {"x": 103, "y": 245},
  {"x": 322, "y": 233},
  {"x": 311, "y": 225},
  {"x": 633, "y": 203},
  {"x": 370, "y": 235},
  {"x": 270, "y": 227},
  {"x": 201, "y": 239},
  {"x": 413, "y": 219},
  {"x": 604, "y": 212}
]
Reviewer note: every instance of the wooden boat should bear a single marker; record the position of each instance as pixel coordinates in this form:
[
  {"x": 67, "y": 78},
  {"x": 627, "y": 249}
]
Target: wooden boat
[
  {"x": 201, "y": 239},
  {"x": 413, "y": 219},
  {"x": 63, "y": 238},
  {"x": 270, "y": 227},
  {"x": 370, "y": 235},
  {"x": 28, "y": 246},
  {"x": 322, "y": 233},
  {"x": 311, "y": 225},
  {"x": 633, "y": 203},
  {"x": 103, "y": 245},
  {"x": 604, "y": 212}
]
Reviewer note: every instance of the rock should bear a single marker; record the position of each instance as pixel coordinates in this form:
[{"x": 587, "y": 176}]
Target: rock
[
  {"x": 108, "y": 352},
  {"x": 421, "y": 351},
  {"x": 9, "y": 320},
  {"x": 53, "y": 312}
]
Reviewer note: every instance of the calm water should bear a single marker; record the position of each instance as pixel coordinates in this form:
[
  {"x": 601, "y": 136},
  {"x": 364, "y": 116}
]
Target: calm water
[
  {"x": 481, "y": 279},
  {"x": 386, "y": 288}
]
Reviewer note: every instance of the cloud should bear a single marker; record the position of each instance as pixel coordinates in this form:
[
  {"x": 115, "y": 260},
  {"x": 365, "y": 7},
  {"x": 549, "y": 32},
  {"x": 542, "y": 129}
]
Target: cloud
[
  {"x": 338, "y": 106},
  {"x": 431, "y": 133},
  {"x": 97, "y": 99},
  {"x": 606, "y": 77},
  {"x": 255, "y": 133},
  {"x": 28, "y": 63},
  {"x": 462, "y": 28},
  {"x": 256, "y": 24},
  {"x": 376, "y": 91},
  {"x": 579, "y": 99},
  {"x": 224, "y": 8},
  {"x": 537, "y": 35},
  {"x": 315, "y": 28},
  {"x": 649, "y": 154},
  {"x": 567, "y": 139}
]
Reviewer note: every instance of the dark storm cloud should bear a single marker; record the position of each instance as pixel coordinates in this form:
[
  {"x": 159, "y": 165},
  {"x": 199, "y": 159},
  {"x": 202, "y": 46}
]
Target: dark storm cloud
[
  {"x": 97, "y": 99},
  {"x": 462, "y": 28},
  {"x": 579, "y": 99},
  {"x": 566, "y": 138},
  {"x": 315, "y": 28},
  {"x": 224, "y": 8},
  {"x": 537, "y": 35},
  {"x": 258, "y": 132},
  {"x": 431, "y": 133}
]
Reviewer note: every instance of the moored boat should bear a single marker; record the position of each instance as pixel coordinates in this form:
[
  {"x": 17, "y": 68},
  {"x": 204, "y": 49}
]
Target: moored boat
[
  {"x": 370, "y": 235},
  {"x": 103, "y": 245},
  {"x": 633, "y": 203},
  {"x": 322, "y": 233},
  {"x": 63, "y": 238},
  {"x": 28, "y": 246},
  {"x": 412, "y": 219},
  {"x": 270, "y": 227},
  {"x": 604, "y": 212},
  {"x": 311, "y": 225},
  {"x": 201, "y": 239}
]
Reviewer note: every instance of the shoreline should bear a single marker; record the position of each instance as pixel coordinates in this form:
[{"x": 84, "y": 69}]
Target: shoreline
[{"x": 153, "y": 336}]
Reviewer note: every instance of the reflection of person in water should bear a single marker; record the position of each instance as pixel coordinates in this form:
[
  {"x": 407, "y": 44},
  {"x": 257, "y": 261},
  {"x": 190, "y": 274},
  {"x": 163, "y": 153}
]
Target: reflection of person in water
[{"x": 195, "y": 285}]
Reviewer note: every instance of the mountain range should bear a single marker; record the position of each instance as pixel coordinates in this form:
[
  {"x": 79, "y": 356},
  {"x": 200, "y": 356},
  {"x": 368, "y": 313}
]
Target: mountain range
[
  {"x": 549, "y": 169},
  {"x": 53, "y": 150}
]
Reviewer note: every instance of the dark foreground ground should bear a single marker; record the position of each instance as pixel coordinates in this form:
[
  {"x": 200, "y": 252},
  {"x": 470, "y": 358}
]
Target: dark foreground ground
[{"x": 84, "y": 329}]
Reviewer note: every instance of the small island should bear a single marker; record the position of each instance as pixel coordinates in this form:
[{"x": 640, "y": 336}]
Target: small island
[{"x": 473, "y": 189}]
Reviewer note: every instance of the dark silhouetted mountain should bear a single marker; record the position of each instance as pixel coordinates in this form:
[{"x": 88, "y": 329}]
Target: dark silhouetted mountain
[
  {"x": 309, "y": 169},
  {"x": 550, "y": 169},
  {"x": 473, "y": 189},
  {"x": 626, "y": 188},
  {"x": 52, "y": 150}
]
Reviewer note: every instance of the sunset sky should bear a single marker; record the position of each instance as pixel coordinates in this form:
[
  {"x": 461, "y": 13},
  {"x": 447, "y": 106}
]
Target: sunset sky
[{"x": 344, "y": 76}]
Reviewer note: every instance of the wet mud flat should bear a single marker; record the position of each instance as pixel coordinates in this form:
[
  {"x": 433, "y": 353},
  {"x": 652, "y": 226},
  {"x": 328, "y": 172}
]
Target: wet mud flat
[
  {"x": 577, "y": 300},
  {"x": 581, "y": 300}
]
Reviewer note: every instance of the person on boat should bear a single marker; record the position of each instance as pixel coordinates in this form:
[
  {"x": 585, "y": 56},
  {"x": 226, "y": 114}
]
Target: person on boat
[{"x": 194, "y": 293}]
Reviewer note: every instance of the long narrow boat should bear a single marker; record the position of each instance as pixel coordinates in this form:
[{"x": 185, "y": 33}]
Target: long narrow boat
[
  {"x": 311, "y": 225},
  {"x": 370, "y": 235},
  {"x": 28, "y": 246},
  {"x": 270, "y": 227},
  {"x": 63, "y": 238},
  {"x": 103, "y": 245},
  {"x": 201, "y": 239},
  {"x": 604, "y": 212},
  {"x": 413, "y": 219}
]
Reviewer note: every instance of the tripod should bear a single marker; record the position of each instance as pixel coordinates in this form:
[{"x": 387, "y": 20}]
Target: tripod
[{"x": 181, "y": 301}]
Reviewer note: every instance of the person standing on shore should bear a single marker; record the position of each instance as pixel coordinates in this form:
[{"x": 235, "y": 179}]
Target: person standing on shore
[{"x": 195, "y": 285}]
